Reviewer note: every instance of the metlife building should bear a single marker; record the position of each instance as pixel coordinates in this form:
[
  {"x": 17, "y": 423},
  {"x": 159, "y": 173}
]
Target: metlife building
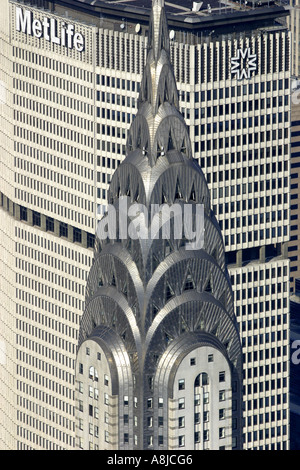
[{"x": 70, "y": 75}]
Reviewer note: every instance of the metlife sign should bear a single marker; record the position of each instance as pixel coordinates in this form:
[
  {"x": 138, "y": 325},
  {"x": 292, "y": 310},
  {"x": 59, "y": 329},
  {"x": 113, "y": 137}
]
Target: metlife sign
[{"x": 50, "y": 29}]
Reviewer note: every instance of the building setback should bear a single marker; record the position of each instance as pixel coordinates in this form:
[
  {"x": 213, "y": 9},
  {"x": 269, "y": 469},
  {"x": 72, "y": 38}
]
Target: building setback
[{"x": 65, "y": 116}]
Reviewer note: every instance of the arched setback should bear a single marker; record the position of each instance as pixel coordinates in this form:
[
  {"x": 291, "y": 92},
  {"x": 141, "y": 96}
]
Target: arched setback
[
  {"x": 200, "y": 412},
  {"x": 96, "y": 399}
]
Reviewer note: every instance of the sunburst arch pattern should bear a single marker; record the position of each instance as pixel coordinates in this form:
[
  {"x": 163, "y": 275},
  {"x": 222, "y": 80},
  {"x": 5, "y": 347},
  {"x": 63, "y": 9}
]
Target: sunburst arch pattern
[{"x": 155, "y": 296}]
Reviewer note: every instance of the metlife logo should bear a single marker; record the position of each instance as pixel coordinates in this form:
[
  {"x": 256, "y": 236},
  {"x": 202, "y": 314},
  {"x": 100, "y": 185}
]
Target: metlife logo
[{"x": 50, "y": 29}]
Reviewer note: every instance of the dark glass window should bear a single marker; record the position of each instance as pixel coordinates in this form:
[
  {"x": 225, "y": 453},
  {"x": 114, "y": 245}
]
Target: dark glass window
[
  {"x": 49, "y": 224},
  {"x": 63, "y": 230},
  {"x": 23, "y": 213}
]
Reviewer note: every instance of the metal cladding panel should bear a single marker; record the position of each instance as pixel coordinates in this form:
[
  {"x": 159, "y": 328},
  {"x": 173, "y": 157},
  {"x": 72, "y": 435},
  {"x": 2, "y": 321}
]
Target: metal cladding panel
[{"x": 159, "y": 299}]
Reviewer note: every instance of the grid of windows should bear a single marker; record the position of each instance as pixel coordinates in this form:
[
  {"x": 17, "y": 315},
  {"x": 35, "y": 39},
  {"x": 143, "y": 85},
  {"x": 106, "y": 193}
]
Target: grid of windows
[{"x": 50, "y": 288}]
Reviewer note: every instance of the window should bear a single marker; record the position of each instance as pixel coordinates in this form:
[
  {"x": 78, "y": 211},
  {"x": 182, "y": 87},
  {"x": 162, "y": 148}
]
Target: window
[
  {"x": 197, "y": 436},
  {"x": 222, "y": 376},
  {"x": 80, "y": 368},
  {"x": 23, "y": 213},
  {"x": 201, "y": 379},
  {"x": 205, "y": 435},
  {"x": 49, "y": 224},
  {"x": 210, "y": 358},
  {"x": 181, "y": 403},
  {"x": 81, "y": 405},
  {"x": 222, "y": 413},
  {"x": 181, "y": 441},
  {"x": 106, "y": 399},
  {"x": 181, "y": 422},
  {"x": 63, "y": 230},
  {"x": 125, "y": 400},
  {"x": 221, "y": 433},
  {"x": 90, "y": 240},
  {"x": 91, "y": 392},
  {"x": 160, "y": 440},
  {"x": 221, "y": 395},
  {"x": 76, "y": 235},
  {"x": 181, "y": 384},
  {"x": 105, "y": 379},
  {"x": 193, "y": 361}
]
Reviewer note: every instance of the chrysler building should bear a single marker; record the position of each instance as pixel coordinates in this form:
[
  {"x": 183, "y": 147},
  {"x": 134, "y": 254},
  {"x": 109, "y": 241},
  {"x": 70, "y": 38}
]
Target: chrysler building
[{"x": 159, "y": 354}]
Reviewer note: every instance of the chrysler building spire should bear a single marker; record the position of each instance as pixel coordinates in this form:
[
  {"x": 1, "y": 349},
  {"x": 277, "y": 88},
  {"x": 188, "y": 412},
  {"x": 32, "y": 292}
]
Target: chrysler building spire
[{"x": 153, "y": 307}]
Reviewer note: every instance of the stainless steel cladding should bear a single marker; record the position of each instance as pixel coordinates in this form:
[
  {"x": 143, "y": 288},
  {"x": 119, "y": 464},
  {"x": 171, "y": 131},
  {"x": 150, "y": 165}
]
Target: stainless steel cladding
[{"x": 152, "y": 302}]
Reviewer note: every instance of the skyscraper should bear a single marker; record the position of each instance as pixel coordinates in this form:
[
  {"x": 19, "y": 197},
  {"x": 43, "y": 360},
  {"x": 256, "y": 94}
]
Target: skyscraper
[
  {"x": 159, "y": 339},
  {"x": 65, "y": 115},
  {"x": 294, "y": 24}
]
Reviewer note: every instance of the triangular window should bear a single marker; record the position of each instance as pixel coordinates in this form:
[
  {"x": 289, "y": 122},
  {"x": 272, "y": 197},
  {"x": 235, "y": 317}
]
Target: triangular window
[
  {"x": 215, "y": 329},
  {"x": 168, "y": 338},
  {"x": 170, "y": 142},
  {"x": 183, "y": 147},
  {"x": 183, "y": 325},
  {"x": 166, "y": 94},
  {"x": 178, "y": 193},
  {"x": 169, "y": 291},
  {"x": 168, "y": 248},
  {"x": 155, "y": 309},
  {"x": 189, "y": 283},
  {"x": 163, "y": 197},
  {"x": 193, "y": 193},
  {"x": 208, "y": 287},
  {"x": 159, "y": 150},
  {"x": 137, "y": 195},
  {"x": 124, "y": 290},
  {"x": 128, "y": 192},
  {"x": 155, "y": 262}
]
